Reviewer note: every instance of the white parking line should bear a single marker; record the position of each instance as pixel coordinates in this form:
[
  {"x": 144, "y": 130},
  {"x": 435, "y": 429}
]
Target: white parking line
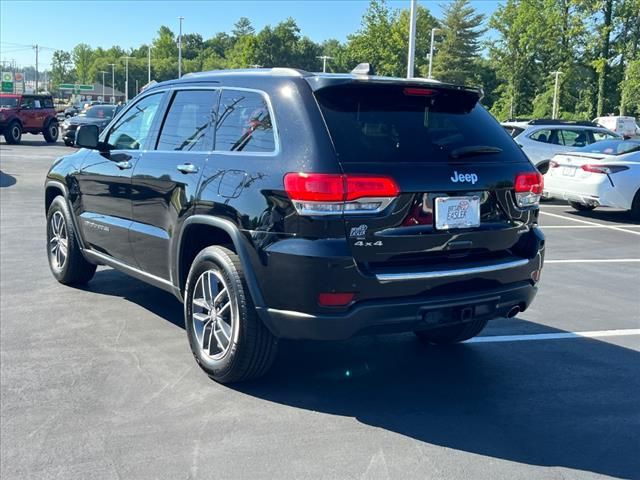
[
  {"x": 555, "y": 336},
  {"x": 547, "y": 227},
  {"x": 589, "y": 223},
  {"x": 595, "y": 260}
]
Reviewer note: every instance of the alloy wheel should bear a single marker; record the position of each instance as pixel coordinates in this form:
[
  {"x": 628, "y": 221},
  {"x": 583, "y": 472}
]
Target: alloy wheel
[
  {"x": 58, "y": 241},
  {"x": 213, "y": 316}
]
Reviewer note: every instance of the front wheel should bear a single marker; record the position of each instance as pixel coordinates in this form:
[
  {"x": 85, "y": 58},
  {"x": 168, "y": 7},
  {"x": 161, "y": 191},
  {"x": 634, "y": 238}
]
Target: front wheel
[
  {"x": 452, "y": 333},
  {"x": 66, "y": 261},
  {"x": 51, "y": 132},
  {"x": 228, "y": 340},
  {"x": 581, "y": 207}
]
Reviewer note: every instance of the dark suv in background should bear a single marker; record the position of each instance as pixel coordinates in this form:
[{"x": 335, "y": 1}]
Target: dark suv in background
[
  {"x": 27, "y": 114},
  {"x": 278, "y": 203}
]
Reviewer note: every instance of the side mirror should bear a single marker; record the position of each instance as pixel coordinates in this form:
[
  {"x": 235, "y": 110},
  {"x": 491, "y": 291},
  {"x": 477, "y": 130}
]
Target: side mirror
[{"x": 87, "y": 136}]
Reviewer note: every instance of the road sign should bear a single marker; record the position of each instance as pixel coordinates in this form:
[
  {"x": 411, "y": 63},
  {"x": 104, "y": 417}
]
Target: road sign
[
  {"x": 74, "y": 86},
  {"x": 7, "y": 87},
  {"x": 7, "y": 77}
]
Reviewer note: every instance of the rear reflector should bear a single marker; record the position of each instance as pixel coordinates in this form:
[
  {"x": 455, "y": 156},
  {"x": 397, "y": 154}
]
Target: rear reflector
[
  {"x": 330, "y": 194},
  {"x": 335, "y": 299},
  {"x": 528, "y": 187}
]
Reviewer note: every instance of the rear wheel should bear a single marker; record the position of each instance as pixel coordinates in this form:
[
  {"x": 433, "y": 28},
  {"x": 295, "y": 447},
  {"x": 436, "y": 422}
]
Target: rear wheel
[
  {"x": 635, "y": 206},
  {"x": 66, "y": 261},
  {"x": 453, "y": 333},
  {"x": 51, "y": 132},
  {"x": 581, "y": 207},
  {"x": 228, "y": 340},
  {"x": 13, "y": 133}
]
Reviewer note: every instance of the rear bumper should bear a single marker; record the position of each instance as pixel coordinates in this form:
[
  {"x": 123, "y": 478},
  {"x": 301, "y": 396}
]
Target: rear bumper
[
  {"x": 594, "y": 190},
  {"x": 296, "y": 271},
  {"x": 398, "y": 315}
]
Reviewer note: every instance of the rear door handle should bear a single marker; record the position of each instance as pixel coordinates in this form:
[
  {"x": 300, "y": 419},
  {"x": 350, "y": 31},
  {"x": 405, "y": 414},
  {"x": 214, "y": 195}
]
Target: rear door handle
[
  {"x": 187, "y": 168},
  {"x": 124, "y": 165}
]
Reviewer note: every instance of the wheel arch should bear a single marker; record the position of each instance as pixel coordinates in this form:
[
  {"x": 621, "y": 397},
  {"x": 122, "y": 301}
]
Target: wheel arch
[
  {"x": 52, "y": 189},
  {"x": 201, "y": 231}
]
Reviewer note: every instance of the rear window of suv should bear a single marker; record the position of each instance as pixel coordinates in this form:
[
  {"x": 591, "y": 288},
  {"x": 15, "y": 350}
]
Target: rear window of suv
[{"x": 397, "y": 123}]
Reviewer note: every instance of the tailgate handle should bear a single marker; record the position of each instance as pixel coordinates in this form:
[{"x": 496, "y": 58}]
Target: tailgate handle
[{"x": 461, "y": 245}]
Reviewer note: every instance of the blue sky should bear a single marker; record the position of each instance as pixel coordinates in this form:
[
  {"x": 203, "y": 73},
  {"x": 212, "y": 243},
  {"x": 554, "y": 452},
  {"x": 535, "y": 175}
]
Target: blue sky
[{"x": 62, "y": 24}]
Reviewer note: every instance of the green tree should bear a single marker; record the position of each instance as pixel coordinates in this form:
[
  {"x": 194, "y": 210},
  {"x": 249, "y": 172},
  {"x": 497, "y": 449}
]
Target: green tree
[
  {"x": 242, "y": 28},
  {"x": 83, "y": 58},
  {"x": 457, "y": 57},
  {"x": 60, "y": 68}
]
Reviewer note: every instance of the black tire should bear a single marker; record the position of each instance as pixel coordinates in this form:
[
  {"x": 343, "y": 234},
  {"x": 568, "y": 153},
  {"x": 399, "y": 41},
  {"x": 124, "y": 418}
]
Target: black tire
[
  {"x": 251, "y": 347},
  {"x": 51, "y": 131},
  {"x": 635, "y": 206},
  {"x": 453, "y": 333},
  {"x": 581, "y": 207},
  {"x": 74, "y": 269},
  {"x": 13, "y": 133},
  {"x": 68, "y": 143}
]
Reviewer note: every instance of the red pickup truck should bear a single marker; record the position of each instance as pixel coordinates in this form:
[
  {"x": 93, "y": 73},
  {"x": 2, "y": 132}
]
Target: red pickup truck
[{"x": 27, "y": 113}]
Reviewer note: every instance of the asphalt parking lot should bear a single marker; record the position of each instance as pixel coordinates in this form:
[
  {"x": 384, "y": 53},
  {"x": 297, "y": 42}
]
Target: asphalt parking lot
[{"x": 99, "y": 382}]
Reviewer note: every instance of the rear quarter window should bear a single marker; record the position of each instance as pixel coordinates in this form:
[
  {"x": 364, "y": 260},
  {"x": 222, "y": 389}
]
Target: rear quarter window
[{"x": 386, "y": 124}]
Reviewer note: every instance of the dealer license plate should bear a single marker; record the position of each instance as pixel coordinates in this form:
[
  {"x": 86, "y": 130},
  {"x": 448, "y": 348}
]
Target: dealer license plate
[{"x": 457, "y": 212}]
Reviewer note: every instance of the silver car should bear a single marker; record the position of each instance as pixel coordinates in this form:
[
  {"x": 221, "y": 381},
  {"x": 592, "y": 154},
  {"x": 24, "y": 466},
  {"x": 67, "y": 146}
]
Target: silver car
[{"x": 542, "y": 139}]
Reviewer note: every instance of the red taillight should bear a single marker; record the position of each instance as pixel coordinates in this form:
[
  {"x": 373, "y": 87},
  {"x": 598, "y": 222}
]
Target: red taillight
[
  {"x": 335, "y": 299},
  {"x": 604, "y": 169},
  {"x": 532, "y": 182},
  {"x": 360, "y": 186},
  {"x": 553, "y": 164},
  {"x": 419, "y": 92},
  {"x": 528, "y": 187},
  {"x": 331, "y": 194},
  {"x": 314, "y": 187}
]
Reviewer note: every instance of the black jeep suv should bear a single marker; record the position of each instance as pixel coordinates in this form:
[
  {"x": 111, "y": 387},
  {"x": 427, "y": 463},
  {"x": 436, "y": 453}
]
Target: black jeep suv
[{"x": 277, "y": 203}]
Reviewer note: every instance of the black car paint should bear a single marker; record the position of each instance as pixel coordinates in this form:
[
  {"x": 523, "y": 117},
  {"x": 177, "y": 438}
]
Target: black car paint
[{"x": 139, "y": 220}]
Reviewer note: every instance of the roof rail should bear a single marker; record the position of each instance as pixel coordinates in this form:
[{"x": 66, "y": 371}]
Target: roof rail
[
  {"x": 550, "y": 121},
  {"x": 294, "y": 72}
]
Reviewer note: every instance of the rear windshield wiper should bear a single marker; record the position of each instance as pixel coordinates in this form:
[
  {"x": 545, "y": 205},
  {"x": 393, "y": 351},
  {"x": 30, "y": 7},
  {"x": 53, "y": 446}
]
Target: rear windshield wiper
[{"x": 474, "y": 150}]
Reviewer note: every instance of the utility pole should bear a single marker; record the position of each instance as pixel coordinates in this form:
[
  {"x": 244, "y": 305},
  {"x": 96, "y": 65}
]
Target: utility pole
[
  {"x": 137, "y": 86},
  {"x": 36, "y": 48},
  {"x": 126, "y": 79},
  {"x": 554, "y": 112},
  {"x": 412, "y": 39},
  {"x": 180, "y": 48},
  {"x": 433, "y": 32},
  {"x": 113, "y": 82},
  {"x": 149, "y": 66},
  {"x": 324, "y": 59},
  {"x": 103, "y": 74}
]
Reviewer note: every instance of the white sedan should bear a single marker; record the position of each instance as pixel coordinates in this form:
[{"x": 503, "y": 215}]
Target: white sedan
[{"x": 605, "y": 173}]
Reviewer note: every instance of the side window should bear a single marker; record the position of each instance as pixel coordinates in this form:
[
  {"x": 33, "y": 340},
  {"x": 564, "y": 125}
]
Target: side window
[
  {"x": 597, "y": 136},
  {"x": 189, "y": 123},
  {"x": 573, "y": 138},
  {"x": 37, "y": 103},
  {"x": 27, "y": 103},
  {"x": 543, "y": 136},
  {"x": 131, "y": 131},
  {"x": 244, "y": 123},
  {"x": 47, "y": 103}
]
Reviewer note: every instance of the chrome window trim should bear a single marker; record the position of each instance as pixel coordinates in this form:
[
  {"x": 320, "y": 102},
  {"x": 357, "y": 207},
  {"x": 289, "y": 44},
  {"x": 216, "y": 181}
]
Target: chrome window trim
[{"x": 266, "y": 98}]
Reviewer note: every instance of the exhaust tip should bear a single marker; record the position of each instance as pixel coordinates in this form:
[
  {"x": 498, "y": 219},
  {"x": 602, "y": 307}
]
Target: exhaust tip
[{"x": 513, "y": 312}]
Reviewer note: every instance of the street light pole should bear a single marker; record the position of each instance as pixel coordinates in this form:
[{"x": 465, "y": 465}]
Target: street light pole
[
  {"x": 113, "y": 82},
  {"x": 324, "y": 59},
  {"x": 412, "y": 39},
  {"x": 126, "y": 79},
  {"x": 103, "y": 74},
  {"x": 180, "y": 48},
  {"x": 554, "y": 112},
  {"x": 433, "y": 32}
]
